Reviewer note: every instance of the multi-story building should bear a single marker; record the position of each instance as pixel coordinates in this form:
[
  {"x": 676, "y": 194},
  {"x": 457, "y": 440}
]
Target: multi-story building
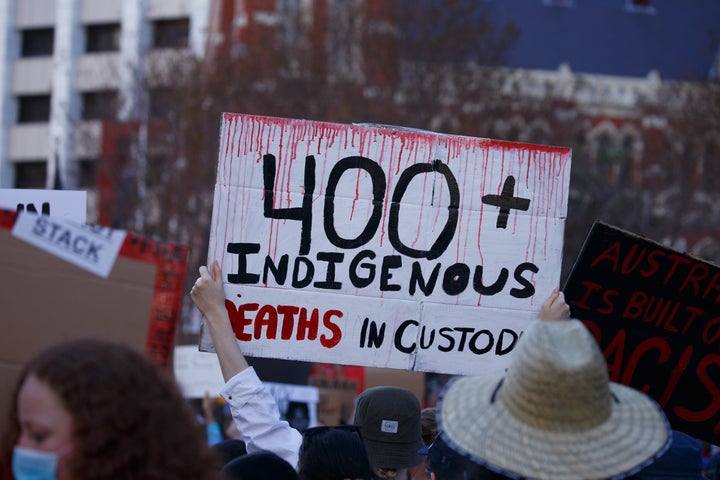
[{"x": 66, "y": 65}]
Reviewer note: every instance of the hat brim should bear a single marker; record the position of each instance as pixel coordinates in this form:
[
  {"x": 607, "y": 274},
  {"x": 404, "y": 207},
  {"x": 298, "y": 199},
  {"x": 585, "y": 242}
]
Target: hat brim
[
  {"x": 393, "y": 455},
  {"x": 632, "y": 437}
]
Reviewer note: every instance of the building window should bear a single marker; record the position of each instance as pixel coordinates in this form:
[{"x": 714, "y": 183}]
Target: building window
[
  {"x": 102, "y": 38},
  {"x": 87, "y": 173},
  {"x": 171, "y": 33},
  {"x": 33, "y": 108},
  {"x": 99, "y": 105},
  {"x": 37, "y": 42},
  {"x": 161, "y": 102},
  {"x": 345, "y": 34},
  {"x": 157, "y": 169},
  {"x": 30, "y": 174}
]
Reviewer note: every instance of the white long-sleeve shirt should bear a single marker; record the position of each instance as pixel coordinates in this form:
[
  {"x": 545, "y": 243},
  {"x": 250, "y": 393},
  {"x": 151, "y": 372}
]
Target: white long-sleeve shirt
[{"x": 257, "y": 417}]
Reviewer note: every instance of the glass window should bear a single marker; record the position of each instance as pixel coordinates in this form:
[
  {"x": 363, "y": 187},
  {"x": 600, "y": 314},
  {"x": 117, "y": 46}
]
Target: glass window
[
  {"x": 161, "y": 102},
  {"x": 99, "y": 105},
  {"x": 87, "y": 173},
  {"x": 33, "y": 108},
  {"x": 171, "y": 33},
  {"x": 37, "y": 42},
  {"x": 102, "y": 38},
  {"x": 30, "y": 174},
  {"x": 156, "y": 169}
]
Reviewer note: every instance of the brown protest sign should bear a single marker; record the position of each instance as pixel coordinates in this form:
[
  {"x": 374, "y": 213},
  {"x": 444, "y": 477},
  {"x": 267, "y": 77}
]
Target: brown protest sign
[
  {"x": 46, "y": 299},
  {"x": 656, "y": 315}
]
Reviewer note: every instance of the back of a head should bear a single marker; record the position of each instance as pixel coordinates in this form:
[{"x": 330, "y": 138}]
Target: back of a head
[
  {"x": 391, "y": 427},
  {"x": 258, "y": 465},
  {"x": 429, "y": 425},
  {"x": 329, "y": 453},
  {"x": 228, "y": 450},
  {"x": 129, "y": 417}
]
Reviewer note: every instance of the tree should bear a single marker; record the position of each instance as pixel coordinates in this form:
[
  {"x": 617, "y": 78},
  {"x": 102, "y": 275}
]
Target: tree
[
  {"x": 429, "y": 64},
  {"x": 344, "y": 61}
]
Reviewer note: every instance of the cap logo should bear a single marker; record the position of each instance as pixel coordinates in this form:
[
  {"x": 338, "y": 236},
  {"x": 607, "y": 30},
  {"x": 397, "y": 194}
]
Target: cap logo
[{"x": 389, "y": 426}]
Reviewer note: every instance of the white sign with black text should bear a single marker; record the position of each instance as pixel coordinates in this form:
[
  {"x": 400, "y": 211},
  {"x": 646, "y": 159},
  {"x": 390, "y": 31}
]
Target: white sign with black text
[
  {"x": 90, "y": 247},
  {"x": 382, "y": 246},
  {"x": 67, "y": 204}
]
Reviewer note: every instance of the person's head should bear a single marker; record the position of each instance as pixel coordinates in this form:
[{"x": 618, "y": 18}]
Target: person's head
[
  {"x": 228, "y": 450},
  {"x": 258, "y": 465},
  {"x": 429, "y": 425},
  {"x": 333, "y": 453},
  {"x": 389, "y": 418},
  {"x": 92, "y": 408},
  {"x": 554, "y": 415}
]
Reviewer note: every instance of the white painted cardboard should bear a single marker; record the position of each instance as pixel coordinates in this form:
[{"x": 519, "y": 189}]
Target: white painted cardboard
[
  {"x": 67, "y": 204},
  {"x": 89, "y": 247},
  {"x": 411, "y": 183},
  {"x": 197, "y": 373}
]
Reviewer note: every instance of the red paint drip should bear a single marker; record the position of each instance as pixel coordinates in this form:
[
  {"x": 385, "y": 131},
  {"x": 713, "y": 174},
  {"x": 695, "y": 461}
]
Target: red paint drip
[{"x": 233, "y": 128}]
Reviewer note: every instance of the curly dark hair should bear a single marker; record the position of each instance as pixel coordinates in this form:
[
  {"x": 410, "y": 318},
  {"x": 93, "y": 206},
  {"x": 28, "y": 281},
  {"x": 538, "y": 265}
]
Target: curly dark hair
[{"x": 130, "y": 420}]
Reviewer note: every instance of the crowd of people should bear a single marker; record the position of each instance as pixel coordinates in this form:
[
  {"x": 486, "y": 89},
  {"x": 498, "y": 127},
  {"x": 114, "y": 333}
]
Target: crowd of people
[{"x": 554, "y": 414}]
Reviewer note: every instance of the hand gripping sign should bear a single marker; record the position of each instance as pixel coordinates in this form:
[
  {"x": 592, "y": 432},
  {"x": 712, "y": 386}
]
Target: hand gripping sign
[{"x": 381, "y": 246}]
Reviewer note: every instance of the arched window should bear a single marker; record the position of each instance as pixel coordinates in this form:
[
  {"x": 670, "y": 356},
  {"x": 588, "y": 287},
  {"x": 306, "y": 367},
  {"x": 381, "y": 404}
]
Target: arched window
[{"x": 604, "y": 151}]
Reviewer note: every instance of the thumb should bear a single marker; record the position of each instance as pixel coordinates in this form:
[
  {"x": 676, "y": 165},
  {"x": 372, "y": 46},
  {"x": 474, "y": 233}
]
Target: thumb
[{"x": 217, "y": 273}]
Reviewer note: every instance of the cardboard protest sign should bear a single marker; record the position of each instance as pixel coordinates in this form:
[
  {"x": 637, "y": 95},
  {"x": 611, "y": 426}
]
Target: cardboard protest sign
[
  {"x": 67, "y": 204},
  {"x": 91, "y": 247},
  {"x": 197, "y": 373},
  {"x": 336, "y": 404},
  {"x": 656, "y": 315},
  {"x": 46, "y": 299},
  {"x": 381, "y": 246}
]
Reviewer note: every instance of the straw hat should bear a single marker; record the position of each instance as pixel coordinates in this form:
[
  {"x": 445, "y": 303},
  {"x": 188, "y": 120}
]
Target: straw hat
[{"x": 555, "y": 415}]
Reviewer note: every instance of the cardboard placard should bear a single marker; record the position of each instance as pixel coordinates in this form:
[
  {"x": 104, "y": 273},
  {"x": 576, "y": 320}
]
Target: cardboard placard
[
  {"x": 384, "y": 247},
  {"x": 67, "y": 204},
  {"x": 45, "y": 300},
  {"x": 197, "y": 373},
  {"x": 656, "y": 315},
  {"x": 337, "y": 400},
  {"x": 90, "y": 247}
]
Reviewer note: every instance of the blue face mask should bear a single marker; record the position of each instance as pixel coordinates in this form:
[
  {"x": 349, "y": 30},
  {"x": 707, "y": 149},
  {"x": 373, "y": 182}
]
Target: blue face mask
[{"x": 30, "y": 464}]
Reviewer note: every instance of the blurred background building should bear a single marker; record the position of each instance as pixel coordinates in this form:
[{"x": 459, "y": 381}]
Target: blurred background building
[
  {"x": 66, "y": 65},
  {"x": 123, "y": 98}
]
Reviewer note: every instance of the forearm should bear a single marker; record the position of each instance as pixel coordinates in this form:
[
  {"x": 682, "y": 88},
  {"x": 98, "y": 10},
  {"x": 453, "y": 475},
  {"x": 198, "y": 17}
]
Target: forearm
[
  {"x": 232, "y": 361},
  {"x": 254, "y": 410}
]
